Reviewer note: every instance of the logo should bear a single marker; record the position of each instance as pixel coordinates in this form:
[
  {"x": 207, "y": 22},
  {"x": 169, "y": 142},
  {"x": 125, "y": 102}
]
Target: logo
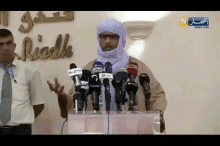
[
  {"x": 76, "y": 71},
  {"x": 122, "y": 70},
  {"x": 102, "y": 75},
  {"x": 196, "y": 22},
  {"x": 99, "y": 65},
  {"x": 105, "y": 75},
  {"x": 100, "y": 99},
  {"x": 183, "y": 20},
  {"x": 84, "y": 83},
  {"x": 97, "y": 70}
]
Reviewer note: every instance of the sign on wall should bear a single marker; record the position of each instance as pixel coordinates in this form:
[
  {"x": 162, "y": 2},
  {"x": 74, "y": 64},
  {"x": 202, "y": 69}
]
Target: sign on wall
[
  {"x": 46, "y": 52},
  {"x": 4, "y": 18},
  {"x": 53, "y": 52}
]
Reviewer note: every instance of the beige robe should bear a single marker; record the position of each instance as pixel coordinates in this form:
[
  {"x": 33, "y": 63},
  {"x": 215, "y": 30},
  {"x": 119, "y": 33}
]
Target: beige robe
[{"x": 158, "y": 99}]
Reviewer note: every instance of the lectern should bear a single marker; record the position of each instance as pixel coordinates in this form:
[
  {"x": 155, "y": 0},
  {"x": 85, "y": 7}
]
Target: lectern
[{"x": 129, "y": 122}]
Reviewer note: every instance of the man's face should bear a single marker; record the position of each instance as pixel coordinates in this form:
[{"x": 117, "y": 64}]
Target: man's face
[
  {"x": 7, "y": 48},
  {"x": 108, "y": 41}
]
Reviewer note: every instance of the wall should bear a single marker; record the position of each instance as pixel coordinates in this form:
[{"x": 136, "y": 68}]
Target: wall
[{"x": 184, "y": 60}]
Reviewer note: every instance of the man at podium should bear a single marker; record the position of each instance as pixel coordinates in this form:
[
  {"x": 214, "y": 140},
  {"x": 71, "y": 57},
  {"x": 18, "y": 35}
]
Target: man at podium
[{"x": 111, "y": 40}]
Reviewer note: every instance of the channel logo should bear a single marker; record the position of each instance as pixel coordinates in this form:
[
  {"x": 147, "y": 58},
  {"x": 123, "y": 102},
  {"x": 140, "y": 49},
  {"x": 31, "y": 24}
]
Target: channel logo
[
  {"x": 196, "y": 22},
  {"x": 183, "y": 21}
]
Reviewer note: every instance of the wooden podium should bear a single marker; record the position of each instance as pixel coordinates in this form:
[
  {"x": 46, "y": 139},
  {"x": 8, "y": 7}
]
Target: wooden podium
[{"x": 129, "y": 122}]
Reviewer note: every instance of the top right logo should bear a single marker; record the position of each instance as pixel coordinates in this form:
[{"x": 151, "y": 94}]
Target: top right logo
[{"x": 196, "y": 22}]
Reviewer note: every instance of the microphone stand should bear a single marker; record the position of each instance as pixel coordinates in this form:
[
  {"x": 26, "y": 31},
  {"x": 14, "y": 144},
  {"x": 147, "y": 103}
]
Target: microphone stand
[
  {"x": 95, "y": 101},
  {"x": 147, "y": 100},
  {"x": 118, "y": 102},
  {"x": 123, "y": 95},
  {"x": 81, "y": 101},
  {"x": 117, "y": 85},
  {"x": 144, "y": 81},
  {"x": 107, "y": 94},
  {"x": 131, "y": 103},
  {"x": 76, "y": 98},
  {"x": 95, "y": 88}
]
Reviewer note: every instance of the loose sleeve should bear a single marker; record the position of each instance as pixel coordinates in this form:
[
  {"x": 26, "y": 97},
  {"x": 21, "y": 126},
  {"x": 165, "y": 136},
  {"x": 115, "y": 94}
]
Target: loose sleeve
[{"x": 158, "y": 98}]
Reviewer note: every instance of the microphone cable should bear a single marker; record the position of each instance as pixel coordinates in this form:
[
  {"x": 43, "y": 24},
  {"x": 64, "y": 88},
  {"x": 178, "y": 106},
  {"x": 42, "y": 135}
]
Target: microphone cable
[{"x": 63, "y": 125}]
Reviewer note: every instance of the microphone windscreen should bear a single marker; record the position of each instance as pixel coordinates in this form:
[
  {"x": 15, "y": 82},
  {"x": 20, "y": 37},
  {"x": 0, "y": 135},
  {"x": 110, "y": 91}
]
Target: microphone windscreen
[
  {"x": 133, "y": 68},
  {"x": 122, "y": 72},
  {"x": 86, "y": 74},
  {"x": 98, "y": 64},
  {"x": 72, "y": 66},
  {"x": 108, "y": 67},
  {"x": 98, "y": 67},
  {"x": 144, "y": 77}
]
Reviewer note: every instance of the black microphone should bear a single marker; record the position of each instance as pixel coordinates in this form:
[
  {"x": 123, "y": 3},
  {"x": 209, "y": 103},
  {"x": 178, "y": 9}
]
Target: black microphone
[
  {"x": 144, "y": 81},
  {"x": 116, "y": 82},
  {"x": 95, "y": 84},
  {"x": 75, "y": 74},
  {"x": 106, "y": 78},
  {"x": 123, "y": 74},
  {"x": 84, "y": 90},
  {"x": 132, "y": 86}
]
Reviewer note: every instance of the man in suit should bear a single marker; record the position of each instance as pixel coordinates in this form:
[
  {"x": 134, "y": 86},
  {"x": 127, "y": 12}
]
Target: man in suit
[{"x": 21, "y": 97}]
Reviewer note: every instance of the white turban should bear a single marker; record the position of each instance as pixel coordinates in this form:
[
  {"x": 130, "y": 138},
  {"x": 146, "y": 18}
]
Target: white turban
[
  {"x": 112, "y": 25},
  {"x": 118, "y": 55}
]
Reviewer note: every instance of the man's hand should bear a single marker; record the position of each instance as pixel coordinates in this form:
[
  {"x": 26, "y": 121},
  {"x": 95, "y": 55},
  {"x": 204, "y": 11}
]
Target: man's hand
[
  {"x": 56, "y": 87},
  {"x": 62, "y": 97}
]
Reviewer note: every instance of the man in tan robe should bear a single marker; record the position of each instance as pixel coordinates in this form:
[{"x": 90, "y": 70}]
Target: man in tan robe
[{"x": 111, "y": 36}]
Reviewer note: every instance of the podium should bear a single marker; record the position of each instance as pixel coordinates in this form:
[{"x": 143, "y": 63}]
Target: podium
[{"x": 129, "y": 122}]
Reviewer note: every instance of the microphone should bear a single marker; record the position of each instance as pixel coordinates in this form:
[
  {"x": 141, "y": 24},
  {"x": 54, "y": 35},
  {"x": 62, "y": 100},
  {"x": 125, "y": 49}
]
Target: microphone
[
  {"x": 86, "y": 74},
  {"x": 98, "y": 67},
  {"x": 144, "y": 81},
  {"x": 131, "y": 86},
  {"x": 95, "y": 84},
  {"x": 75, "y": 74},
  {"x": 123, "y": 74},
  {"x": 106, "y": 78},
  {"x": 116, "y": 82}
]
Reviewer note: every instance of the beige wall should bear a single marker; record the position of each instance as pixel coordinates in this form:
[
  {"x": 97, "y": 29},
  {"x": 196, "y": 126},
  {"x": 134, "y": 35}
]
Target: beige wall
[{"x": 184, "y": 60}]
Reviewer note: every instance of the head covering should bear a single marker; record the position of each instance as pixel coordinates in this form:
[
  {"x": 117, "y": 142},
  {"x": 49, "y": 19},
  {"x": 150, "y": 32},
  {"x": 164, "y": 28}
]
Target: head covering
[{"x": 117, "y": 57}]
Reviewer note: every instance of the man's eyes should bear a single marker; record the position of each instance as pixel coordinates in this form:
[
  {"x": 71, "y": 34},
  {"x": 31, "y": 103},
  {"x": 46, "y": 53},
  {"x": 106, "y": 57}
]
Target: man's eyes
[
  {"x": 8, "y": 43},
  {"x": 110, "y": 36}
]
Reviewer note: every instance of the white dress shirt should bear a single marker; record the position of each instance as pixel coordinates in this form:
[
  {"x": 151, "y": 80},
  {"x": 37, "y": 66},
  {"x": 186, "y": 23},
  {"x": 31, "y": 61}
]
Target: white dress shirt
[{"x": 27, "y": 91}]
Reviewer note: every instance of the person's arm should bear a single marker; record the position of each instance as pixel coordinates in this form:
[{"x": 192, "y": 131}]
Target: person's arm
[
  {"x": 36, "y": 93},
  {"x": 38, "y": 109},
  {"x": 65, "y": 103},
  {"x": 64, "y": 100}
]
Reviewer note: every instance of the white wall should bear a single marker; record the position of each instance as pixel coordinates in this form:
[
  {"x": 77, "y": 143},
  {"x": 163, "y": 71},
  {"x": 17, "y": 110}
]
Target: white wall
[{"x": 184, "y": 60}]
